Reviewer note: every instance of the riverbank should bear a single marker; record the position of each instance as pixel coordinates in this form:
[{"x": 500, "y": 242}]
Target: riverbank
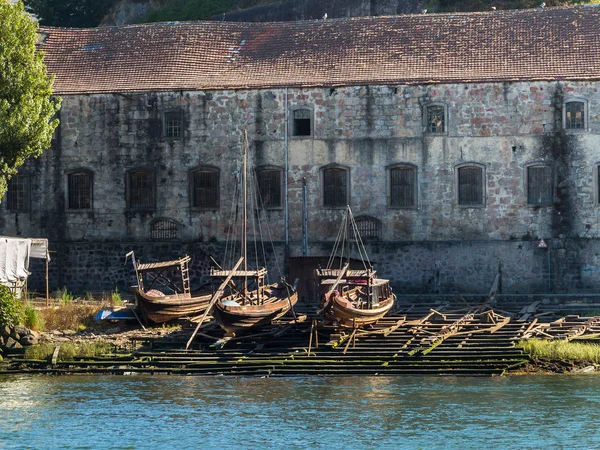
[{"x": 416, "y": 339}]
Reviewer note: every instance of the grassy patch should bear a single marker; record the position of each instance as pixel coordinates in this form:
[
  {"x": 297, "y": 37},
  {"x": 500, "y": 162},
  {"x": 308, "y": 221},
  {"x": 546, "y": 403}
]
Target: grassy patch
[
  {"x": 69, "y": 316},
  {"x": 64, "y": 296},
  {"x": 579, "y": 353},
  {"x": 33, "y": 317},
  {"x": 69, "y": 350}
]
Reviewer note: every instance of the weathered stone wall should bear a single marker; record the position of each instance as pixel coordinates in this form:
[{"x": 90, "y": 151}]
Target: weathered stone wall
[{"x": 366, "y": 129}]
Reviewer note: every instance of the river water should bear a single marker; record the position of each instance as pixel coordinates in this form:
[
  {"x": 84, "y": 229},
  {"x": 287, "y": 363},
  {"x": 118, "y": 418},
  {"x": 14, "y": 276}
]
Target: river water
[{"x": 171, "y": 412}]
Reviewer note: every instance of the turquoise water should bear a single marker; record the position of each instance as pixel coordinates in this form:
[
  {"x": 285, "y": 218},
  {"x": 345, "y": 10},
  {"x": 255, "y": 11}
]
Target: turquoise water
[{"x": 152, "y": 412}]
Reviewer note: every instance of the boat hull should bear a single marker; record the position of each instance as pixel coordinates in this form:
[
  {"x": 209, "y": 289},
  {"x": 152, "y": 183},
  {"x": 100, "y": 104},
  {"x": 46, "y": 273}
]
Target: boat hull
[
  {"x": 348, "y": 316},
  {"x": 237, "y": 319},
  {"x": 166, "y": 308}
]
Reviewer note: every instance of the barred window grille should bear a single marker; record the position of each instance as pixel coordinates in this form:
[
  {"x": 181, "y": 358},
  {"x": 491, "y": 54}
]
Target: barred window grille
[
  {"x": 436, "y": 122},
  {"x": 539, "y": 185},
  {"x": 141, "y": 190},
  {"x": 80, "y": 190},
  {"x": 470, "y": 186},
  {"x": 403, "y": 186},
  {"x": 18, "y": 193},
  {"x": 335, "y": 188},
  {"x": 172, "y": 124},
  {"x": 205, "y": 190},
  {"x": 269, "y": 187},
  {"x": 302, "y": 122},
  {"x": 368, "y": 228},
  {"x": 164, "y": 230},
  {"x": 575, "y": 116}
]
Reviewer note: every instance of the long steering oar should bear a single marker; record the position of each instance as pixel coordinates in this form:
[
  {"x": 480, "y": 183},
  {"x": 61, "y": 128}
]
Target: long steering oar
[{"x": 214, "y": 298}]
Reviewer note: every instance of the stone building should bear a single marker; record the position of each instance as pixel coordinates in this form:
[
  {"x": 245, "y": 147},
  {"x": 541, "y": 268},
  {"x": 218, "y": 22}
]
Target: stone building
[{"x": 459, "y": 140}]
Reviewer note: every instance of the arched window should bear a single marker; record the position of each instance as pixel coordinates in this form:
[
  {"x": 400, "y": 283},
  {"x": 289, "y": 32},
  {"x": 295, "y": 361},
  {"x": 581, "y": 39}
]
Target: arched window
[
  {"x": 369, "y": 228},
  {"x": 18, "y": 195},
  {"x": 402, "y": 186},
  {"x": 269, "y": 181},
  {"x": 80, "y": 189},
  {"x": 205, "y": 188},
  {"x": 141, "y": 190},
  {"x": 336, "y": 185},
  {"x": 164, "y": 230},
  {"x": 540, "y": 184},
  {"x": 470, "y": 186}
]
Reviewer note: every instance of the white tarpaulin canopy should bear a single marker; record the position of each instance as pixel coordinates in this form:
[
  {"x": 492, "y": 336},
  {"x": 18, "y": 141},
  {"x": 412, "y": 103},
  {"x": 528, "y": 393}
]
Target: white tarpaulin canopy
[{"x": 14, "y": 258}]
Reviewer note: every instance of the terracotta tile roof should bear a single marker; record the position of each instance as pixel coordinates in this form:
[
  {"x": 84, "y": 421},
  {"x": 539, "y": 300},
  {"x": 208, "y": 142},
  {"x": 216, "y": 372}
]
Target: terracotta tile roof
[{"x": 535, "y": 44}]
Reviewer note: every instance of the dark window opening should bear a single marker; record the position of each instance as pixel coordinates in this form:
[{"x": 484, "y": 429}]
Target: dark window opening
[
  {"x": 368, "y": 228},
  {"x": 172, "y": 124},
  {"x": 539, "y": 185},
  {"x": 403, "y": 186},
  {"x": 470, "y": 186},
  {"x": 574, "y": 116},
  {"x": 436, "y": 119},
  {"x": 205, "y": 190},
  {"x": 269, "y": 187},
  {"x": 335, "y": 188},
  {"x": 164, "y": 230},
  {"x": 141, "y": 190},
  {"x": 80, "y": 190},
  {"x": 18, "y": 193},
  {"x": 302, "y": 122}
]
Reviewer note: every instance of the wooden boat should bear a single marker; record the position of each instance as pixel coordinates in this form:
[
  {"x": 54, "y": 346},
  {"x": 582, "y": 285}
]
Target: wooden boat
[
  {"x": 353, "y": 298},
  {"x": 158, "y": 307},
  {"x": 249, "y": 302}
]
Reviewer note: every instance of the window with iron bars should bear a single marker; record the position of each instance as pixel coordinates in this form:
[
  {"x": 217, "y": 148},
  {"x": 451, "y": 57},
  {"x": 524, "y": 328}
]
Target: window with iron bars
[
  {"x": 80, "y": 190},
  {"x": 335, "y": 187},
  {"x": 302, "y": 125},
  {"x": 269, "y": 187},
  {"x": 205, "y": 188},
  {"x": 435, "y": 121},
  {"x": 575, "y": 115},
  {"x": 403, "y": 187},
  {"x": 141, "y": 190},
  {"x": 368, "y": 228},
  {"x": 470, "y": 186},
  {"x": 18, "y": 195},
  {"x": 164, "y": 230},
  {"x": 540, "y": 185},
  {"x": 172, "y": 124}
]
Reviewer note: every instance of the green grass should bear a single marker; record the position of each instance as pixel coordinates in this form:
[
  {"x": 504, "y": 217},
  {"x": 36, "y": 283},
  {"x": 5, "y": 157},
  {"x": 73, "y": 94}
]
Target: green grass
[
  {"x": 64, "y": 296},
  {"x": 69, "y": 351},
  {"x": 115, "y": 298},
  {"x": 33, "y": 317},
  {"x": 575, "y": 352}
]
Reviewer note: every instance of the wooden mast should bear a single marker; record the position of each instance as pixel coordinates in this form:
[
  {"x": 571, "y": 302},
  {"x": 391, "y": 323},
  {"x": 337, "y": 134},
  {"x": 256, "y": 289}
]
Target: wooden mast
[{"x": 244, "y": 219}]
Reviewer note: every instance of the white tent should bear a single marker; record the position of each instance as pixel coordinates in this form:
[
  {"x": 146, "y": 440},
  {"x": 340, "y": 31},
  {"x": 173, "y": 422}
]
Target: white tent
[{"x": 14, "y": 259}]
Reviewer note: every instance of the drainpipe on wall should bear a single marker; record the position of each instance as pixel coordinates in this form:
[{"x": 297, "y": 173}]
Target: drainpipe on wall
[{"x": 287, "y": 211}]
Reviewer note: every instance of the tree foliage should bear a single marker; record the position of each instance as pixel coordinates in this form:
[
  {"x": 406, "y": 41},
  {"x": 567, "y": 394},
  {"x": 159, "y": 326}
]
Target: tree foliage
[
  {"x": 11, "y": 310},
  {"x": 70, "y": 13},
  {"x": 27, "y": 107}
]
